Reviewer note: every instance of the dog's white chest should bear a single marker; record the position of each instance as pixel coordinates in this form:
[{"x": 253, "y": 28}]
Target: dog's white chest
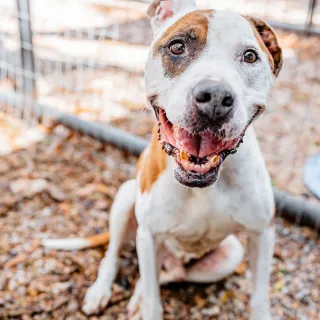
[
  {"x": 191, "y": 224},
  {"x": 199, "y": 228}
]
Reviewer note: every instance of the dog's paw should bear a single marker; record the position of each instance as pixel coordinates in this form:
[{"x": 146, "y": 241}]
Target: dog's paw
[
  {"x": 267, "y": 317},
  {"x": 135, "y": 315},
  {"x": 152, "y": 310},
  {"x": 133, "y": 307},
  {"x": 96, "y": 299}
]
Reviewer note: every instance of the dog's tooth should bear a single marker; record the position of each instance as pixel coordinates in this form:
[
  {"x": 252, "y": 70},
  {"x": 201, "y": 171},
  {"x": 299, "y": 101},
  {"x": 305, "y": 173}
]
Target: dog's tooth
[
  {"x": 197, "y": 167},
  {"x": 215, "y": 160},
  {"x": 183, "y": 155},
  {"x": 187, "y": 165}
]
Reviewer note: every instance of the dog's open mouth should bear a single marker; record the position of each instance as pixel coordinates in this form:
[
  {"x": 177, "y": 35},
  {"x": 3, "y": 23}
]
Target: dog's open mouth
[{"x": 198, "y": 155}]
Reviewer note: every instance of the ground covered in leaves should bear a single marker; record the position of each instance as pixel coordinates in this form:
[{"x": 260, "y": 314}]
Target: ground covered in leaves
[{"x": 63, "y": 186}]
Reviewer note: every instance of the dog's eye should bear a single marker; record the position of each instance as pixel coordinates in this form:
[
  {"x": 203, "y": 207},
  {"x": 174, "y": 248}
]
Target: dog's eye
[
  {"x": 250, "y": 56},
  {"x": 177, "y": 48}
]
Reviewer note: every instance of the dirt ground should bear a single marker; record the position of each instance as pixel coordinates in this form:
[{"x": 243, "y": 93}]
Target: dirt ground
[{"x": 61, "y": 184}]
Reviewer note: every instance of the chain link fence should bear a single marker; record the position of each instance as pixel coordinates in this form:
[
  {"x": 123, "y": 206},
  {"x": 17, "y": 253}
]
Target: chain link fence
[
  {"x": 54, "y": 51},
  {"x": 81, "y": 64}
]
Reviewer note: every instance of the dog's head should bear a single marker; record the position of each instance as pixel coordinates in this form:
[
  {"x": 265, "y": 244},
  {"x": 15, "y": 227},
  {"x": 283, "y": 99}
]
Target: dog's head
[{"x": 208, "y": 75}]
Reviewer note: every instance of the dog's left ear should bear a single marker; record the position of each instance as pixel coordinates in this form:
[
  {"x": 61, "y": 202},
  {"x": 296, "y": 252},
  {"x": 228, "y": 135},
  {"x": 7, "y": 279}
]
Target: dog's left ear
[
  {"x": 267, "y": 38},
  {"x": 160, "y": 11}
]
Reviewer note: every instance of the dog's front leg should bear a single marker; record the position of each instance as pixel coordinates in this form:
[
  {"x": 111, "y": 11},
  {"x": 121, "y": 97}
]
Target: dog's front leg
[
  {"x": 122, "y": 213},
  {"x": 149, "y": 266},
  {"x": 261, "y": 246}
]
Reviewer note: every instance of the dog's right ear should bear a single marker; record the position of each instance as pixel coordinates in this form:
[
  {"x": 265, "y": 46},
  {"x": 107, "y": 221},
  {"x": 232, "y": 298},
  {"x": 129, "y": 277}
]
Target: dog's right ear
[{"x": 160, "y": 11}]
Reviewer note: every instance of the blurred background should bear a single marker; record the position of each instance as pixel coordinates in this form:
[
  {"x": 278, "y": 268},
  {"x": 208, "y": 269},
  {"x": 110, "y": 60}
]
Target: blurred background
[{"x": 71, "y": 73}]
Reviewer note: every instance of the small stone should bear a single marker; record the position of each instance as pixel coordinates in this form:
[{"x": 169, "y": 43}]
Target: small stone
[
  {"x": 73, "y": 306},
  {"x": 210, "y": 312},
  {"x": 61, "y": 287}
]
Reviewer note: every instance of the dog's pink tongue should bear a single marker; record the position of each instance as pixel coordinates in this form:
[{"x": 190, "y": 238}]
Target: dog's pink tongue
[
  {"x": 200, "y": 145},
  {"x": 210, "y": 144},
  {"x": 187, "y": 141}
]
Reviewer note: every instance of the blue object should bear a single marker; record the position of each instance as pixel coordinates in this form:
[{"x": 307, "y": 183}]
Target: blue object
[{"x": 311, "y": 175}]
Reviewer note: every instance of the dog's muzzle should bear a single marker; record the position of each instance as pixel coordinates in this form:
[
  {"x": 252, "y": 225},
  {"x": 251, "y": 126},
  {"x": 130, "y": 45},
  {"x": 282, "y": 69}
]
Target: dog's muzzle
[
  {"x": 198, "y": 155},
  {"x": 200, "y": 147}
]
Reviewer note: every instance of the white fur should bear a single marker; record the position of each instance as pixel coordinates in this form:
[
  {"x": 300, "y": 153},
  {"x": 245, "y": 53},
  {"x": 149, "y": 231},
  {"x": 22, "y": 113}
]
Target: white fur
[
  {"x": 66, "y": 244},
  {"x": 261, "y": 246},
  {"x": 98, "y": 295}
]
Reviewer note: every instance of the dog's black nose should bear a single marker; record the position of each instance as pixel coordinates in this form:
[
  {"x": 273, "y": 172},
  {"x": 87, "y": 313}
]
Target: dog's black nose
[{"x": 214, "y": 99}]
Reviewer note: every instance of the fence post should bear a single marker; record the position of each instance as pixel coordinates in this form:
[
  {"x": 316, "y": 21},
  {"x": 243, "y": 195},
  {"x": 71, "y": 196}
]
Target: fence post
[
  {"x": 26, "y": 49},
  {"x": 312, "y": 6}
]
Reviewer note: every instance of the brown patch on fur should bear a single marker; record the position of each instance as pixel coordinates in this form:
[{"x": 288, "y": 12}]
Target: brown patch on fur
[
  {"x": 267, "y": 40},
  {"x": 192, "y": 29},
  {"x": 152, "y": 163},
  {"x": 98, "y": 240}
]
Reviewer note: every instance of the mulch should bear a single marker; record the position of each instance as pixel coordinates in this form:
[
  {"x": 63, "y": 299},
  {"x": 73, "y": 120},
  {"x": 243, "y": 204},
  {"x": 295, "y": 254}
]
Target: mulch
[{"x": 63, "y": 186}]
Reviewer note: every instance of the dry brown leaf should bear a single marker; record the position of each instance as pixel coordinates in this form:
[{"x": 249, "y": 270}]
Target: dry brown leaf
[
  {"x": 241, "y": 269},
  {"x": 199, "y": 301},
  {"x": 226, "y": 296}
]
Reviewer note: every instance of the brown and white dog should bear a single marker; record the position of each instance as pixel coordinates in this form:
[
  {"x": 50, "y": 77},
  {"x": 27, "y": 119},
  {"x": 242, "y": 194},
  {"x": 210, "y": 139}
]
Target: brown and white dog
[{"x": 208, "y": 76}]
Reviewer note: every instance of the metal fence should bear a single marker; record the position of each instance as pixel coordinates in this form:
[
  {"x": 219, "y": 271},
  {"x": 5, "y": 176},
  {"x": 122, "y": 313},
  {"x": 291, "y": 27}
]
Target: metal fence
[
  {"x": 81, "y": 64},
  {"x": 52, "y": 49}
]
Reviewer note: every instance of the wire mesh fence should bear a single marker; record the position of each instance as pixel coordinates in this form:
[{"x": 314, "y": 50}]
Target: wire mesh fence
[
  {"x": 84, "y": 69},
  {"x": 80, "y": 42},
  {"x": 86, "y": 59}
]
